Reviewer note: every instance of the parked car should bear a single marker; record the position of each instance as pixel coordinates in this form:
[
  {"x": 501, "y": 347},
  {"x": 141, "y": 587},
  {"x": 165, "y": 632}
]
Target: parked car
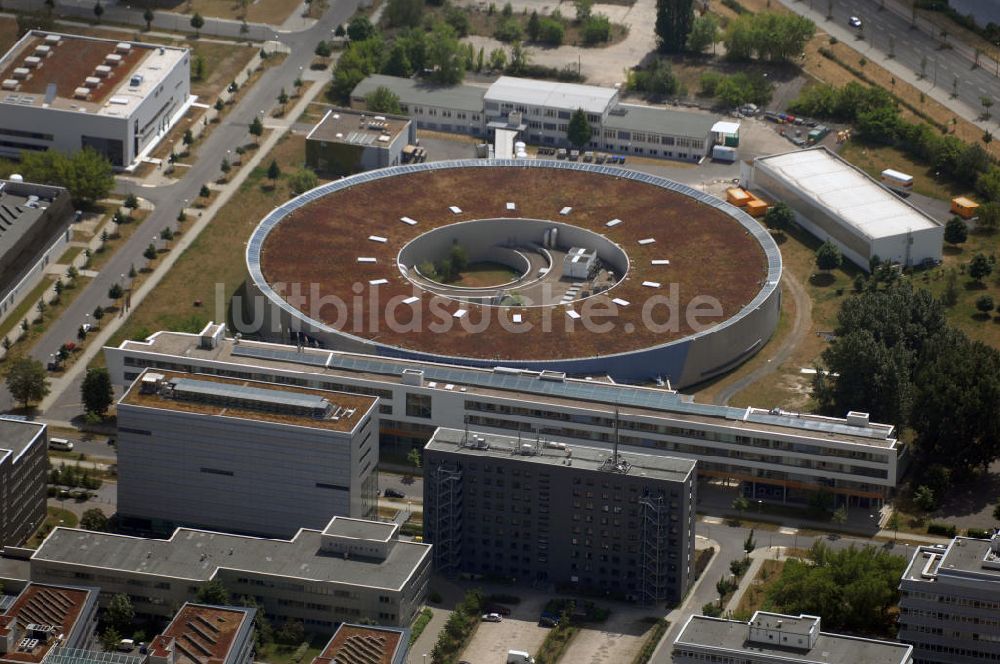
[
  {"x": 854, "y": 22},
  {"x": 492, "y": 617},
  {"x": 393, "y": 493},
  {"x": 546, "y": 621}
]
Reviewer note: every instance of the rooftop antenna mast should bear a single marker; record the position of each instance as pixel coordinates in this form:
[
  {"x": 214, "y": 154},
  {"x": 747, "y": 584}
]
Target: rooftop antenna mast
[{"x": 614, "y": 456}]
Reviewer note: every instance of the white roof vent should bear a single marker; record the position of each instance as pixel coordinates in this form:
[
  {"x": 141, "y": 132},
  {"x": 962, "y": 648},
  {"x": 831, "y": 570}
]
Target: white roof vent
[{"x": 857, "y": 419}]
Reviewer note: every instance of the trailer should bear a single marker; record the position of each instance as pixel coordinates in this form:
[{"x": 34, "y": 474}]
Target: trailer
[{"x": 724, "y": 153}]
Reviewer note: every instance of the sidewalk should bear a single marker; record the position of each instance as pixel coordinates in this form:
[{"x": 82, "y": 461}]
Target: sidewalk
[
  {"x": 676, "y": 614},
  {"x": 757, "y": 558},
  {"x": 428, "y": 637},
  {"x": 58, "y": 385}
]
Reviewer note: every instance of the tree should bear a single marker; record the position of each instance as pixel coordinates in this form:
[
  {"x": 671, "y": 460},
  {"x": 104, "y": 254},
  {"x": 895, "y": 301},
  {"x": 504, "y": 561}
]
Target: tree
[
  {"x": 87, "y": 174},
  {"x": 283, "y": 99},
  {"x": 96, "y": 391},
  {"x": 828, "y": 256},
  {"x": 213, "y": 592},
  {"x": 398, "y": 62},
  {"x": 98, "y": 315},
  {"x": 578, "y": 132},
  {"x": 148, "y": 17},
  {"x": 413, "y": 458},
  {"x": 131, "y": 203},
  {"x": 383, "y": 100},
  {"x": 583, "y": 10},
  {"x": 323, "y": 49},
  {"x": 256, "y": 129},
  {"x": 749, "y": 544},
  {"x": 987, "y": 102},
  {"x": 984, "y": 304},
  {"x": 924, "y": 498},
  {"x": 302, "y": 180},
  {"x": 980, "y": 267},
  {"x": 360, "y": 29},
  {"x": 996, "y": 512},
  {"x": 722, "y": 586},
  {"x": 443, "y": 55},
  {"x": 98, "y": 10},
  {"x": 498, "y": 59},
  {"x": 225, "y": 166},
  {"x": 150, "y": 253},
  {"x": 404, "y": 13},
  {"x": 704, "y": 33},
  {"x": 94, "y": 519},
  {"x": 110, "y": 639},
  {"x": 955, "y": 231},
  {"x": 197, "y": 22},
  {"x": 674, "y": 19},
  {"x": 120, "y": 614},
  {"x": 989, "y": 218},
  {"x": 26, "y": 381},
  {"x": 851, "y": 588},
  {"x": 534, "y": 27},
  {"x": 840, "y": 515},
  {"x": 273, "y": 171},
  {"x": 894, "y": 522},
  {"x": 780, "y": 217},
  {"x": 115, "y": 292}
]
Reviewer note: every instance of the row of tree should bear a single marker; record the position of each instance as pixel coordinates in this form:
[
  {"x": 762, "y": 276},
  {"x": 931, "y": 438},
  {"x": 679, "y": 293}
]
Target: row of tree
[{"x": 896, "y": 357}]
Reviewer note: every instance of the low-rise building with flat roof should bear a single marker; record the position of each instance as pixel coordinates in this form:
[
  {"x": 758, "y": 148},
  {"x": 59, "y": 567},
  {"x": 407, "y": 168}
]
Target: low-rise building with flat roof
[
  {"x": 44, "y": 617},
  {"x": 544, "y": 512},
  {"x": 24, "y": 470},
  {"x": 296, "y": 579},
  {"x": 837, "y": 201},
  {"x": 243, "y": 456},
  {"x": 773, "y": 638},
  {"x": 949, "y": 606},
  {"x": 365, "y": 644},
  {"x": 347, "y": 141},
  {"x": 541, "y": 111},
  {"x": 69, "y": 92},
  {"x": 206, "y": 634},
  {"x": 451, "y": 108}
]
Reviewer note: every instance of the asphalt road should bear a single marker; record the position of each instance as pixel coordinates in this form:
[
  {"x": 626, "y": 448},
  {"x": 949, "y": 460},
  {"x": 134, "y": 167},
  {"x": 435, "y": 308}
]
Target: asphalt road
[
  {"x": 170, "y": 199},
  {"x": 909, "y": 45}
]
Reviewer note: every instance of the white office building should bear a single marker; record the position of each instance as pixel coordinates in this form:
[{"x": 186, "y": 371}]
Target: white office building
[
  {"x": 774, "y": 638},
  {"x": 68, "y": 92},
  {"x": 240, "y": 456},
  {"x": 541, "y": 110},
  {"x": 949, "y": 606},
  {"x": 774, "y": 454},
  {"x": 837, "y": 201}
]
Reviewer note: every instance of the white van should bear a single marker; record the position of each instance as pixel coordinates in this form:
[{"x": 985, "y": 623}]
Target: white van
[
  {"x": 60, "y": 444},
  {"x": 126, "y": 645}
]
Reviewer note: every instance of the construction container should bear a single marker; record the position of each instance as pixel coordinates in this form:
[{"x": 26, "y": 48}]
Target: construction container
[
  {"x": 756, "y": 208},
  {"x": 738, "y": 197},
  {"x": 964, "y": 207}
]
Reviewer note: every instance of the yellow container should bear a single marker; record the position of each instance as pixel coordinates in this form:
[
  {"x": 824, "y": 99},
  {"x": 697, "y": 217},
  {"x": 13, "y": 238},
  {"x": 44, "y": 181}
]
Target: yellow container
[
  {"x": 756, "y": 208},
  {"x": 964, "y": 207},
  {"x": 738, "y": 197}
]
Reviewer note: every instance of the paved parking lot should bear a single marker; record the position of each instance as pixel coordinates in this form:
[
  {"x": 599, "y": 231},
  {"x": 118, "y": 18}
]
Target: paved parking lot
[
  {"x": 618, "y": 639},
  {"x": 518, "y": 631}
]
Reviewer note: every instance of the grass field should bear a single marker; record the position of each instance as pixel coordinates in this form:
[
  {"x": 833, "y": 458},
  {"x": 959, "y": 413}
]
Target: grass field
[
  {"x": 264, "y": 11},
  {"x": 274, "y": 653},
  {"x": 873, "y": 159},
  {"x": 215, "y": 260},
  {"x": 53, "y": 518},
  {"x": 754, "y": 597}
]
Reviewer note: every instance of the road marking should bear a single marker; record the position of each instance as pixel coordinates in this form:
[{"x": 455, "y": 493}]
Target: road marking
[
  {"x": 788, "y": 531},
  {"x": 712, "y": 520}
]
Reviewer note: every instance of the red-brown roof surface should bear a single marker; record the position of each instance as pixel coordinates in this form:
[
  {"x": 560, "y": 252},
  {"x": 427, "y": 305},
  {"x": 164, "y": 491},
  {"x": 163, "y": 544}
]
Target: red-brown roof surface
[
  {"x": 200, "y": 634},
  {"x": 351, "y": 643},
  {"x": 710, "y": 254},
  {"x": 43, "y": 605}
]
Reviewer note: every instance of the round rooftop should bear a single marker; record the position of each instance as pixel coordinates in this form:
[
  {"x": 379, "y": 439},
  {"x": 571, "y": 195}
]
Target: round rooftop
[{"x": 349, "y": 258}]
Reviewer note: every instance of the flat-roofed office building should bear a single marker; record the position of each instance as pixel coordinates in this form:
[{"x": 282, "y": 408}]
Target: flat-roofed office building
[
  {"x": 242, "y": 456},
  {"x": 949, "y": 606},
  {"x": 546, "y": 512},
  {"x": 774, "y": 638},
  {"x": 349, "y": 571},
  {"x": 774, "y": 454}
]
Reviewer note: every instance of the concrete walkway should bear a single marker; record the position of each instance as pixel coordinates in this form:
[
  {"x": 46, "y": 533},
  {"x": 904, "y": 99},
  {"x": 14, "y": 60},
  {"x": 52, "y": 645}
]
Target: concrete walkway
[
  {"x": 425, "y": 643},
  {"x": 757, "y": 558},
  {"x": 279, "y": 128},
  {"x": 695, "y": 598}
]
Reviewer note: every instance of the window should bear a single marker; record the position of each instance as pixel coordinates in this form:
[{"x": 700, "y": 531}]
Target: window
[{"x": 418, "y": 405}]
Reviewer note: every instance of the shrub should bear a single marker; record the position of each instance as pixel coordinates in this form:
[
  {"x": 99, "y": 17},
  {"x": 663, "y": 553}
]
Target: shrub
[
  {"x": 977, "y": 533},
  {"x": 943, "y": 529},
  {"x": 508, "y": 30},
  {"x": 924, "y": 498},
  {"x": 597, "y": 30},
  {"x": 712, "y": 610}
]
